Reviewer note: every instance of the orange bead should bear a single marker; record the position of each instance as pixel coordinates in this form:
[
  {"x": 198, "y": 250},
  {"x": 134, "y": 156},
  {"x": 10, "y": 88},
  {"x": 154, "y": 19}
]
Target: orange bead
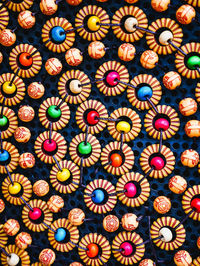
[
  {"x": 149, "y": 59},
  {"x": 93, "y": 250},
  {"x": 25, "y": 59},
  {"x": 185, "y": 14},
  {"x": 74, "y": 2},
  {"x": 131, "y": 1},
  {"x": 116, "y": 160},
  {"x": 126, "y": 52},
  {"x": 160, "y": 5}
]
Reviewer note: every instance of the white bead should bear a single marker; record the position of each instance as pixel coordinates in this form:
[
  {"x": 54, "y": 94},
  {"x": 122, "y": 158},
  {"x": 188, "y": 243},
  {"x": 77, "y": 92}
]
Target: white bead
[
  {"x": 165, "y": 36},
  {"x": 166, "y": 233},
  {"x": 74, "y": 86},
  {"x": 130, "y": 24},
  {"x": 13, "y": 260}
]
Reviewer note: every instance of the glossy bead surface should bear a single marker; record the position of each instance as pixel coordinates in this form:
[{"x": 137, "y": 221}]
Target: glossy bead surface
[
  {"x": 26, "y": 160},
  {"x": 22, "y": 134},
  {"x": 185, "y": 14},
  {"x": 2, "y": 206},
  {"x": 96, "y": 50},
  {"x": 127, "y": 249},
  {"x": 177, "y": 184},
  {"x": 126, "y": 52},
  {"x": 3, "y": 121},
  {"x": 157, "y": 162},
  {"x": 48, "y": 7},
  {"x": 193, "y": 62},
  {"x": 23, "y": 240},
  {"x": 63, "y": 175},
  {"x": 7, "y": 37},
  {"x": 131, "y": 190},
  {"x": 91, "y": 118},
  {"x": 146, "y": 262},
  {"x": 98, "y": 196},
  {"x": 8, "y": 89},
  {"x": 112, "y": 78},
  {"x": 55, "y": 203},
  {"x": 93, "y": 250},
  {"x": 13, "y": 260},
  {"x": 26, "y": 113},
  {"x": 123, "y": 126},
  {"x": 35, "y": 214},
  {"x": 192, "y": 128},
  {"x": 54, "y": 112},
  {"x": 172, "y": 80},
  {"x": 41, "y": 188},
  {"x": 74, "y": 2},
  {"x": 111, "y": 223},
  {"x": 188, "y": 106},
  {"x": 26, "y": 19},
  {"x": 144, "y": 92},
  {"x": 161, "y": 124},
  {"x": 11, "y": 227},
  {"x": 58, "y": 34},
  {"x": 198, "y": 242},
  {"x": 190, "y": 158},
  {"x": 53, "y": 66},
  {"x": 1, "y": 57},
  {"x": 73, "y": 57},
  {"x": 35, "y": 90},
  {"x": 166, "y": 233},
  {"x": 75, "y": 86},
  {"x": 182, "y": 258},
  {"x": 76, "y": 216},
  {"x": 165, "y": 37},
  {"x": 149, "y": 59},
  {"x": 14, "y": 188},
  {"x": 4, "y": 156},
  {"x": 116, "y": 160},
  {"x": 129, "y": 221},
  {"x": 84, "y": 149},
  {"x": 161, "y": 5},
  {"x": 75, "y": 263},
  {"x": 47, "y": 257},
  {"x": 93, "y": 22},
  {"x": 25, "y": 59},
  {"x": 49, "y": 146},
  {"x": 162, "y": 204},
  {"x": 130, "y": 24},
  {"x": 195, "y": 204},
  {"x": 60, "y": 234}
]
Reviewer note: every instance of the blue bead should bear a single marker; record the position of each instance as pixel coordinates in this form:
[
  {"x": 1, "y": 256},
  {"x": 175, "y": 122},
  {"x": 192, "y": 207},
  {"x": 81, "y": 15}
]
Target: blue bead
[
  {"x": 144, "y": 92},
  {"x": 60, "y": 234},
  {"x": 4, "y": 156},
  {"x": 58, "y": 34},
  {"x": 98, "y": 196}
]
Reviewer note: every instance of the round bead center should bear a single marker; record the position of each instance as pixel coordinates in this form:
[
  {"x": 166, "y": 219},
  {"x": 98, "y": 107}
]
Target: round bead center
[
  {"x": 131, "y": 190},
  {"x": 35, "y": 214},
  {"x": 93, "y": 23},
  {"x": 3, "y": 121},
  {"x": 157, "y": 162},
  {"x": 14, "y": 188},
  {"x": 84, "y": 148},
  {"x": 58, "y": 34},
  {"x": 193, "y": 62},
  {"x": 116, "y": 160},
  {"x": 54, "y": 112},
  {"x": 60, "y": 234},
  {"x": 64, "y": 175},
  {"x": 127, "y": 249},
  {"x": 92, "y": 118},
  {"x": 161, "y": 124},
  {"x": 4, "y": 156},
  {"x": 195, "y": 204},
  {"x": 8, "y": 89},
  {"x": 93, "y": 250},
  {"x": 144, "y": 92},
  {"x": 112, "y": 78},
  {"x": 98, "y": 196},
  {"x": 123, "y": 126},
  {"x": 25, "y": 59},
  {"x": 49, "y": 146}
]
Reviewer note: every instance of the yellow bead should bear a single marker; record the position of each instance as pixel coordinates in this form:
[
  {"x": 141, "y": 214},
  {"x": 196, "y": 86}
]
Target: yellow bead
[
  {"x": 64, "y": 175},
  {"x": 123, "y": 126},
  {"x": 15, "y": 188},
  {"x": 7, "y": 88},
  {"x": 92, "y": 23}
]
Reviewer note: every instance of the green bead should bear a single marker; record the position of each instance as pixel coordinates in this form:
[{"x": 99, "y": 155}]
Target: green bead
[
  {"x": 3, "y": 121},
  {"x": 84, "y": 149},
  {"x": 193, "y": 62},
  {"x": 53, "y": 112}
]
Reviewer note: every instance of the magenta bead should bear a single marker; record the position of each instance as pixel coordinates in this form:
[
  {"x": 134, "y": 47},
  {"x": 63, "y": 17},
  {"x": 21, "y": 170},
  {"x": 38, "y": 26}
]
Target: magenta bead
[
  {"x": 35, "y": 214},
  {"x": 112, "y": 78},
  {"x": 161, "y": 124},
  {"x": 131, "y": 190},
  {"x": 157, "y": 162},
  {"x": 49, "y": 146},
  {"x": 127, "y": 249}
]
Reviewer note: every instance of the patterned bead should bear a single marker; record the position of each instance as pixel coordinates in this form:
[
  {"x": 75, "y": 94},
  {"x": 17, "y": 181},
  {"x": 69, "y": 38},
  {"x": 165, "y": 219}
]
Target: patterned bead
[
  {"x": 146, "y": 262},
  {"x": 7, "y": 37},
  {"x": 185, "y": 14},
  {"x": 48, "y": 7},
  {"x": 126, "y": 52},
  {"x": 111, "y": 223},
  {"x": 182, "y": 258},
  {"x": 74, "y": 2},
  {"x": 53, "y": 66},
  {"x": 188, "y": 106},
  {"x": 41, "y": 188},
  {"x": 11, "y": 227},
  {"x": 131, "y": 1},
  {"x": 149, "y": 59},
  {"x": 47, "y": 256},
  {"x": 177, "y": 184},
  {"x": 96, "y": 50},
  {"x": 162, "y": 204},
  {"x": 23, "y": 240},
  {"x": 26, "y": 113},
  {"x": 76, "y": 216},
  {"x": 172, "y": 80},
  {"x": 73, "y": 57},
  {"x": 160, "y": 5},
  {"x": 75, "y": 264},
  {"x": 55, "y": 203},
  {"x": 129, "y": 221},
  {"x": 198, "y": 242},
  {"x": 2, "y": 205},
  {"x": 190, "y": 158},
  {"x": 22, "y": 134},
  {"x": 1, "y": 57},
  {"x": 26, "y": 19},
  {"x": 26, "y": 160},
  {"x": 35, "y": 90},
  {"x": 192, "y": 128}
]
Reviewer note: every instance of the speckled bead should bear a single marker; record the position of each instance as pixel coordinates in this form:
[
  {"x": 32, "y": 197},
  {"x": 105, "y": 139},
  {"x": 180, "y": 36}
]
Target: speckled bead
[
  {"x": 190, "y": 158},
  {"x": 26, "y": 113},
  {"x": 129, "y": 221},
  {"x": 2, "y": 206},
  {"x": 73, "y": 57},
  {"x": 23, "y": 240},
  {"x": 192, "y": 128},
  {"x": 1, "y": 57},
  {"x": 76, "y": 216},
  {"x": 48, "y": 7},
  {"x": 75, "y": 264},
  {"x": 111, "y": 223},
  {"x": 47, "y": 256},
  {"x": 35, "y": 90},
  {"x": 53, "y": 66},
  {"x": 55, "y": 203},
  {"x": 185, "y": 14},
  {"x": 198, "y": 242},
  {"x": 41, "y": 188},
  {"x": 146, "y": 262},
  {"x": 13, "y": 259},
  {"x": 172, "y": 80},
  {"x": 162, "y": 204},
  {"x": 96, "y": 50},
  {"x": 188, "y": 106},
  {"x": 74, "y": 2},
  {"x": 11, "y": 227},
  {"x": 182, "y": 258},
  {"x": 149, "y": 59},
  {"x": 26, "y": 19},
  {"x": 161, "y": 5},
  {"x": 26, "y": 160},
  {"x": 22, "y": 134},
  {"x": 126, "y": 52},
  {"x": 177, "y": 184},
  {"x": 7, "y": 37}
]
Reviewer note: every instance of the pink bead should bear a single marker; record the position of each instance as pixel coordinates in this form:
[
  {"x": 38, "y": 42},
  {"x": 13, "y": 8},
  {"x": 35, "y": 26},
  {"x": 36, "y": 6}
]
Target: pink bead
[
  {"x": 112, "y": 78},
  {"x": 35, "y": 214},
  {"x": 131, "y": 190},
  {"x": 157, "y": 162},
  {"x": 195, "y": 204},
  {"x": 49, "y": 146},
  {"x": 161, "y": 124},
  {"x": 127, "y": 249}
]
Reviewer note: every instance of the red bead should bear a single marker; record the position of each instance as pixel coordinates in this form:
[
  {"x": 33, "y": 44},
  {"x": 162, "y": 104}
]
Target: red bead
[
  {"x": 195, "y": 204},
  {"x": 157, "y": 162},
  {"x": 112, "y": 78},
  {"x": 49, "y": 146},
  {"x": 35, "y": 214},
  {"x": 91, "y": 118},
  {"x": 116, "y": 160},
  {"x": 131, "y": 190},
  {"x": 25, "y": 59},
  {"x": 93, "y": 250},
  {"x": 161, "y": 124},
  {"x": 127, "y": 249}
]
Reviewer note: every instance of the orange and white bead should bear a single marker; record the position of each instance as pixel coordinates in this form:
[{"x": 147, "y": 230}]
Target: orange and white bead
[
  {"x": 185, "y": 14},
  {"x": 7, "y": 37},
  {"x": 190, "y": 158},
  {"x": 23, "y": 240},
  {"x": 76, "y": 216},
  {"x": 26, "y": 160},
  {"x": 26, "y": 19},
  {"x": 177, "y": 184},
  {"x": 162, "y": 204},
  {"x": 126, "y": 52},
  {"x": 129, "y": 221},
  {"x": 35, "y": 90},
  {"x": 48, "y": 7},
  {"x": 26, "y": 113},
  {"x": 47, "y": 256},
  {"x": 73, "y": 57},
  {"x": 182, "y": 258},
  {"x": 53, "y": 66},
  {"x": 172, "y": 80},
  {"x": 22, "y": 134},
  {"x": 96, "y": 50},
  {"x": 160, "y": 5},
  {"x": 188, "y": 106},
  {"x": 11, "y": 227},
  {"x": 55, "y": 203},
  {"x": 41, "y": 188},
  {"x": 146, "y": 262},
  {"x": 74, "y": 2},
  {"x": 192, "y": 128},
  {"x": 149, "y": 59},
  {"x": 111, "y": 223},
  {"x": 2, "y": 206}
]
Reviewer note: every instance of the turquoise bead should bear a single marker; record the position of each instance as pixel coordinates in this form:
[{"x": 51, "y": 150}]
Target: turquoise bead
[
  {"x": 60, "y": 234},
  {"x": 4, "y": 156},
  {"x": 144, "y": 92},
  {"x": 58, "y": 34},
  {"x": 84, "y": 149},
  {"x": 193, "y": 62},
  {"x": 98, "y": 196},
  {"x": 3, "y": 121},
  {"x": 54, "y": 112}
]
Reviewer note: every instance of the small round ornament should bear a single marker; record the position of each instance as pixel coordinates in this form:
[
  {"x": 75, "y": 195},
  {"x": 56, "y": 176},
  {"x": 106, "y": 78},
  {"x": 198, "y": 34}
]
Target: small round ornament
[
  {"x": 192, "y": 128},
  {"x": 146, "y": 262},
  {"x": 149, "y": 59},
  {"x": 185, "y": 14},
  {"x": 190, "y": 158},
  {"x": 74, "y": 2},
  {"x": 13, "y": 259},
  {"x": 22, "y": 134},
  {"x": 47, "y": 256},
  {"x": 96, "y": 50},
  {"x": 26, "y": 160},
  {"x": 23, "y": 240},
  {"x": 162, "y": 204},
  {"x": 7, "y": 37},
  {"x": 35, "y": 90},
  {"x": 53, "y": 66},
  {"x": 172, "y": 80},
  {"x": 126, "y": 52},
  {"x": 73, "y": 57},
  {"x": 26, "y": 19},
  {"x": 182, "y": 258},
  {"x": 128, "y": 1},
  {"x": 26, "y": 113},
  {"x": 129, "y": 221},
  {"x": 2, "y": 206},
  {"x": 160, "y": 6},
  {"x": 76, "y": 216},
  {"x": 110, "y": 223},
  {"x": 11, "y": 227},
  {"x": 177, "y": 184},
  {"x": 75, "y": 264},
  {"x": 41, "y": 188},
  {"x": 188, "y": 106},
  {"x": 55, "y": 203},
  {"x": 48, "y": 7}
]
